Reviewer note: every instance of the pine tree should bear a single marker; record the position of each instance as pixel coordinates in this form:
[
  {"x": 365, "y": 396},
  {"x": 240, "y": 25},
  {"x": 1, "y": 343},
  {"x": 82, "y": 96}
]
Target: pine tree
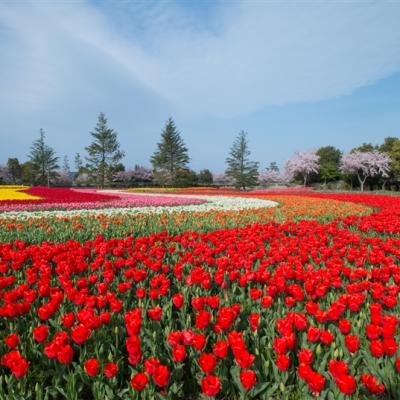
[
  {"x": 171, "y": 155},
  {"x": 43, "y": 160},
  {"x": 205, "y": 177},
  {"x": 273, "y": 166},
  {"x": 104, "y": 152},
  {"x": 78, "y": 162},
  {"x": 243, "y": 171},
  {"x": 66, "y": 164}
]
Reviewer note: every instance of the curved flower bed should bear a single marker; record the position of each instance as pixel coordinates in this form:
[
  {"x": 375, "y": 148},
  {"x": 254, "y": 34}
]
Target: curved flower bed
[
  {"x": 84, "y": 225},
  {"x": 87, "y": 199},
  {"x": 15, "y": 193},
  {"x": 47, "y": 195},
  {"x": 131, "y": 204}
]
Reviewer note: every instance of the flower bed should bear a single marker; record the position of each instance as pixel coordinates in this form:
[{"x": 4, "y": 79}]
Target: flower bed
[
  {"x": 119, "y": 222},
  {"x": 86, "y": 199},
  {"x": 11, "y": 193},
  {"x": 131, "y": 204},
  {"x": 45, "y": 195}
]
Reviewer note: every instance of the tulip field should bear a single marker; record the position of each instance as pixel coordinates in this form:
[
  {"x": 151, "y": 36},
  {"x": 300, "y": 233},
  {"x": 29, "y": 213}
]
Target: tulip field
[{"x": 198, "y": 294}]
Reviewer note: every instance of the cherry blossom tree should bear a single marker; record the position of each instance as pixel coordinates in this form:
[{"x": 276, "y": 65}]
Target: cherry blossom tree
[
  {"x": 274, "y": 177},
  {"x": 303, "y": 163},
  {"x": 135, "y": 175},
  {"x": 63, "y": 178},
  {"x": 220, "y": 179},
  {"x": 5, "y": 176},
  {"x": 364, "y": 164},
  {"x": 83, "y": 179}
]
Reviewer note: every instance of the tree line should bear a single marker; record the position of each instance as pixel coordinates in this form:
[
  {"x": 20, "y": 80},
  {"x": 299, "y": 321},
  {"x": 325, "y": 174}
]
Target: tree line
[{"x": 368, "y": 164}]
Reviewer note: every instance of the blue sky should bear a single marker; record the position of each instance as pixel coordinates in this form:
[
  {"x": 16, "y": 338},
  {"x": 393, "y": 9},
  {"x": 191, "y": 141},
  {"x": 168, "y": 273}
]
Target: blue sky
[{"x": 295, "y": 75}]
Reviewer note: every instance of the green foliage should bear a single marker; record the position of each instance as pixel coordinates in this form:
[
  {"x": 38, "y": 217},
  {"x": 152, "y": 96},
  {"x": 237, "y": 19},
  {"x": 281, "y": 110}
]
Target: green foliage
[
  {"x": 273, "y": 166},
  {"x": 186, "y": 177},
  {"x": 15, "y": 170},
  {"x": 43, "y": 161},
  {"x": 66, "y": 164},
  {"x": 170, "y": 157},
  {"x": 104, "y": 152},
  {"x": 365, "y": 147},
  {"x": 78, "y": 162},
  {"x": 395, "y": 159},
  {"x": 329, "y": 162},
  {"x": 205, "y": 177},
  {"x": 329, "y": 155},
  {"x": 243, "y": 171},
  {"x": 28, "y": 177},
  {"x": 329, "y": 172},
  {"x": 388, "y": 144}
]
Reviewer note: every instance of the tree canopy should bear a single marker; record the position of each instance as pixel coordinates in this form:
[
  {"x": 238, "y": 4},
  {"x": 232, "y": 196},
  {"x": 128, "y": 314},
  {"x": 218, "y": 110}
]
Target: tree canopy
[
  {"x": 104, "y": 152},
  {"x": 43, "y": 161},
  {"x": 243, "y": 172},
  {"x": 171, "y": 156}
]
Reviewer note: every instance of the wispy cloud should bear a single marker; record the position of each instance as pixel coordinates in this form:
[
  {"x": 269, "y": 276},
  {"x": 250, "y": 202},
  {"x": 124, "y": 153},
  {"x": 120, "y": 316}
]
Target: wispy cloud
[{"x": 263, "y": 53}]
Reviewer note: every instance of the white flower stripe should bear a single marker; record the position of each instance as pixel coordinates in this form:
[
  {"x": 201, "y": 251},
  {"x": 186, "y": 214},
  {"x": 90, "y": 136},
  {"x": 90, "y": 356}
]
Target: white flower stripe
[{"x": 213, "y": 203}]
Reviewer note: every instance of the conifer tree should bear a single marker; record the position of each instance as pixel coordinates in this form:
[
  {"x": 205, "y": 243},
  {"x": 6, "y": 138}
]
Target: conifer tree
[
  {"x": 243, "y": 171},
  {"x": 170, "y": 157},
  {"x": 43, "y": 161},
  {"x": 103, "y": 153}
]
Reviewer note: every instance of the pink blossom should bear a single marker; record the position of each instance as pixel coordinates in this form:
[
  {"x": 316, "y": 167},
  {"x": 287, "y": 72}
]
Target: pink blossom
[
  {"x": 303, "y": 163},
  {"x": 365, "y": 164}
]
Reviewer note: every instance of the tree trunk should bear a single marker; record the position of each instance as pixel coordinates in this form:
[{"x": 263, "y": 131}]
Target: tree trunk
[
  {"x": 362, "y": 181},
  {"x": 305, "y": 180}
]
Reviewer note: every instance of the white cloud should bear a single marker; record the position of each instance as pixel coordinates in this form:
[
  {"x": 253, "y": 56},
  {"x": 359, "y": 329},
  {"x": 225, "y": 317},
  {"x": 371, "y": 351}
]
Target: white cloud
[{"x": 263, "y": 53}]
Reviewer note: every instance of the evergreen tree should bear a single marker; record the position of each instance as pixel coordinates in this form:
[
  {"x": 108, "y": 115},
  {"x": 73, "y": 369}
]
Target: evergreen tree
[
  {"x": 28, "y": 177},
  {"x": 205, "y": 177},
  {"x": 78, "y": 162},
  {"x": 388, "y": 143},
  {"x": 243, "y": 171},
  {"x": 328, "y": 172},
  {"x": 329, "y": 165},
  {"x": 171, "y": 155},
  {"x": 185, "y": 177},
  {"x": 395, "y": 160},
  {"x": 66, "y": 164},
  {"x": 365, "y": 147},
  {"x": 391, "y": 147},
  {"x": 104, "y": 152},
  {"x": 15, "y": 170},
  {"x": 273, "y": 166},
  {"x": 43, "y": 160}
]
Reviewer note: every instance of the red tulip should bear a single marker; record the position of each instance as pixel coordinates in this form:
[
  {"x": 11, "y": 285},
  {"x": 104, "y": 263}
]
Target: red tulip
[
  {"x": 248, "y": 379},
  {"x": 207, "y": 362},
  {"x": 40, "y": 333},
  {"x": 92, "y": 367},
  {"x": 210, "y": 385},
  {"x": 110, "y": 370},
  {"x": 139, "y": 381}
]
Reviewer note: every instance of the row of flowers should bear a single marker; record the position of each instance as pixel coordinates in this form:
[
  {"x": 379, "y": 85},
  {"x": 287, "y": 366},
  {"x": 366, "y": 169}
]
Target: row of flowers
[
  {"x": 131, "y": 204},
  {"x": 43, "y": 195},
  {"x": 172, "y": 189},
  {"x": 118, "y": 223},
  {"x": 17, "y": 193}
]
